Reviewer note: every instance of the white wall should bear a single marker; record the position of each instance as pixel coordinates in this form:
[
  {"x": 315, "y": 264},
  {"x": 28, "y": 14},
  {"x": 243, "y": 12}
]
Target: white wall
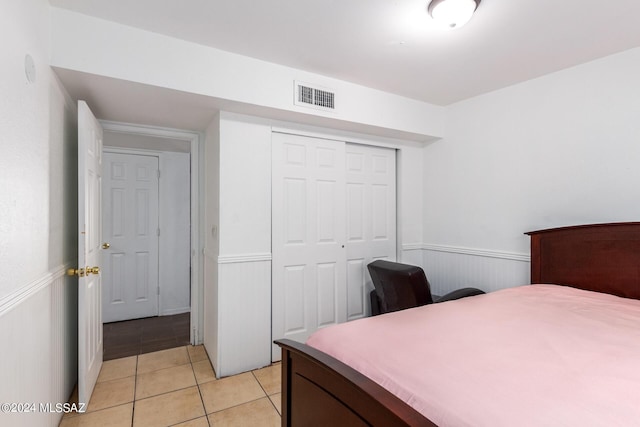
[
  {"x": 559, "y": 150},
  {"x": 256, "y": 87},
  {"x": 245, "y": 185},
  {"x": 244, "y": 243},
  {"x": 25, "y": 152},
  {"x": 409, "y": 193},
  {"x": 38, "y": 215},
  {"x": 175, "y": 229}
]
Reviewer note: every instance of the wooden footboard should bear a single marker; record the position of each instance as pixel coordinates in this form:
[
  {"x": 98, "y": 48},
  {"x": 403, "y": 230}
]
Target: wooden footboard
[{"x": 318, "y": 390}]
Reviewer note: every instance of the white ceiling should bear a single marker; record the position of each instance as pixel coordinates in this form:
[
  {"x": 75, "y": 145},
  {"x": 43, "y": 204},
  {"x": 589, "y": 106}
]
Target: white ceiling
[{"x": 392, "y": 45}]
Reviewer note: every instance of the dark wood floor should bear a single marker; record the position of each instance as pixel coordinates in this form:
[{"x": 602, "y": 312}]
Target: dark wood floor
[{"x": 132, "y": 337}]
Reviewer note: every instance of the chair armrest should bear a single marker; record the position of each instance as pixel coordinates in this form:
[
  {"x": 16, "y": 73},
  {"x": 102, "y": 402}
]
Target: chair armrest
[{"x": 460, "y": 293}]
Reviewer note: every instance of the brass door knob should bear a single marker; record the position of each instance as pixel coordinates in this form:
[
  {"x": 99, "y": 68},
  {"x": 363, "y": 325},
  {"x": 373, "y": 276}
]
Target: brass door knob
[
  {"x": 106, "y": 246},
  {"x": 93, "y": 270},
  {"x": 75, "y": 272}
]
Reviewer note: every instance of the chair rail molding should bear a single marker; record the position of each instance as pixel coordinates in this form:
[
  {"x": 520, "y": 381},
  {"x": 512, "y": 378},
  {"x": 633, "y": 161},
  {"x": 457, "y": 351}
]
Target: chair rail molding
[
  {"x": 233, "y": 259},
  {"x": 487, "y": 253},
  {"x": 39, "y": 332},
  {"x": 21, "y": 294}
]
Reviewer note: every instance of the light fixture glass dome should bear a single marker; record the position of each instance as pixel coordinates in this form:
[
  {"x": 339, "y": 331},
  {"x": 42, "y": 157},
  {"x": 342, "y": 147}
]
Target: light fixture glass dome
[{"x": 452, "y": 13}]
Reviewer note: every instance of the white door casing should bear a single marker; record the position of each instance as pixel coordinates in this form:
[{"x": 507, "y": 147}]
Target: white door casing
[
  {"x": 90, "y": 341},
  {"x": 130, "y": 226},
  {"x": 308, "y": 204},
  {"x": 371, "y": 219}
]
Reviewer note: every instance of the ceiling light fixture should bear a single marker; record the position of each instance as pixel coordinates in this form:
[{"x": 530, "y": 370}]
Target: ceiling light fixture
[{"x": 452, "y": 13}]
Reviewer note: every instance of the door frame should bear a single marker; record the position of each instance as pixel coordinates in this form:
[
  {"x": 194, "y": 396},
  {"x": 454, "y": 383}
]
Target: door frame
[{"x": 193, "y": 139}]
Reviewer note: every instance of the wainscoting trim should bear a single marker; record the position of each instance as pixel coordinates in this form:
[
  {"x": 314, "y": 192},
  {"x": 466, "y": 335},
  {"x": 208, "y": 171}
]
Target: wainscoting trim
[
  {"x": 19, "y": 295},
  {"x": 233, "y": 259},
  {"x": 514, "y": 256},
  {"x": 412, "y": 246},
  {"x": 39, "y": 331}
]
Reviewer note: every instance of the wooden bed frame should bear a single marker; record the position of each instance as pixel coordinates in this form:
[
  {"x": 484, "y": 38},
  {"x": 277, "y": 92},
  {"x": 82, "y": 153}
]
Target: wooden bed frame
[{"x": 318, "y": 390}]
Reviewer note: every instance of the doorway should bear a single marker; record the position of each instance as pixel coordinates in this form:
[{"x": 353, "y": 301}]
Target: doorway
[{"x": 151, "y": 295}]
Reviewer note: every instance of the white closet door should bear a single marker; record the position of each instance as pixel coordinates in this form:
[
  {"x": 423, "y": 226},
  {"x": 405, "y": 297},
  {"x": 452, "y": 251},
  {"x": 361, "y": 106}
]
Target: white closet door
[
  {"x": 308, "y": 284},
  {"x": 130, "y": 226},
  {"x": 371, "y": 219}
]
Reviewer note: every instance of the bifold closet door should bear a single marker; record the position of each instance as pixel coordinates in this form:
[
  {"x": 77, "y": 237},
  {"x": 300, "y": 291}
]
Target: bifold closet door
[
  {"x": 371, "y": 219},
  {"x": 308, "y": 231}
]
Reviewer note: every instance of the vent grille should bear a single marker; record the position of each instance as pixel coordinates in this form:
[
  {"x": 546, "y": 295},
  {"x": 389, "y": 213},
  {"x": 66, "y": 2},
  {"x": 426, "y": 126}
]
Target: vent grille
[
  {"x": 305, "y": 94},
  {"x": 310, "y": 96}
]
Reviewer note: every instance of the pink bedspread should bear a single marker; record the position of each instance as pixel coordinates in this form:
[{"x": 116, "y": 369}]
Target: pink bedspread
[{"x": 539, "y": 355}]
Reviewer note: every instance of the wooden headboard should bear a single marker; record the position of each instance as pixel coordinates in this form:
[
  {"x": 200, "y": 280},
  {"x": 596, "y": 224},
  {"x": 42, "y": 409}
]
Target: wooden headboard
[{"x": 599, "y": 257}]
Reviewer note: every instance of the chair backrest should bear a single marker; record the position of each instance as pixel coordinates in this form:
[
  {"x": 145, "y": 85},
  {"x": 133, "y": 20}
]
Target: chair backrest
[{"x": 399, "y": 286}]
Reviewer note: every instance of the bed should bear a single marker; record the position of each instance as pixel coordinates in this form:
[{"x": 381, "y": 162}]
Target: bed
[{"x": 591, "y": 275}]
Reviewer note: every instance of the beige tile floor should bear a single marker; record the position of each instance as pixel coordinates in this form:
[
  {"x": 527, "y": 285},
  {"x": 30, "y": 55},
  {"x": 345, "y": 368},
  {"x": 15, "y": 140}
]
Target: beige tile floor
[{"x": 177, "y": 387}]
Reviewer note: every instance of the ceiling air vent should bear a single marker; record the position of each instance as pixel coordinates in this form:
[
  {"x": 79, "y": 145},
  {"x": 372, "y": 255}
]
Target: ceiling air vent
[{"x": 308, "y": 95}]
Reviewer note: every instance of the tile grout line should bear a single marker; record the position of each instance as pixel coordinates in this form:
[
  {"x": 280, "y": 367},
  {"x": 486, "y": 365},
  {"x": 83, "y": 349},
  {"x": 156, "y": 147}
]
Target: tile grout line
[
  {"x": 166, "y": 392},
  {"x": 170, "y": 391},
  {"x": 164, "y": 369},
  {"x": 236, "y": 406},
  {"x": 204, "y": 407},
  {"x": 135, "y": 386},
  {"x": 112, "y": 406},
  {"x": 265, "y": 392}
]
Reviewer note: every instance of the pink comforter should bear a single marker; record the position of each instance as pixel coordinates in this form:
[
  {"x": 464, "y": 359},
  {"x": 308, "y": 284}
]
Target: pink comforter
[{"x": 539, "y": 355}]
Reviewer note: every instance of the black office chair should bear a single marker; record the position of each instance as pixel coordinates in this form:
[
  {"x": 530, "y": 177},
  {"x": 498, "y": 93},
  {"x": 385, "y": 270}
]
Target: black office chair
[{"x": 399, "y": 286}]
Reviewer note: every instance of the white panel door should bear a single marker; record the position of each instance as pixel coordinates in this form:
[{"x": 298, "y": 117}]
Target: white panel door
[
  {"x": 371, "y": 219},
  {"x": 130, "y": 227},
  {"x": 308, "y": 211},
  {"x": 90, "y": 348}
]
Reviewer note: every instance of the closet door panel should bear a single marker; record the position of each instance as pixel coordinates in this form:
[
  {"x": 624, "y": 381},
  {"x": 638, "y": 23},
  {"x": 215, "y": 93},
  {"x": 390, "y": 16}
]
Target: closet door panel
[
  {"x": 333, "y": 212},
  {"x": 308, "y": 211},
  {"x": 356, "y": 282},
  {"x": 294, "y": 291},
  {"x": 371, "y": 219}
]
